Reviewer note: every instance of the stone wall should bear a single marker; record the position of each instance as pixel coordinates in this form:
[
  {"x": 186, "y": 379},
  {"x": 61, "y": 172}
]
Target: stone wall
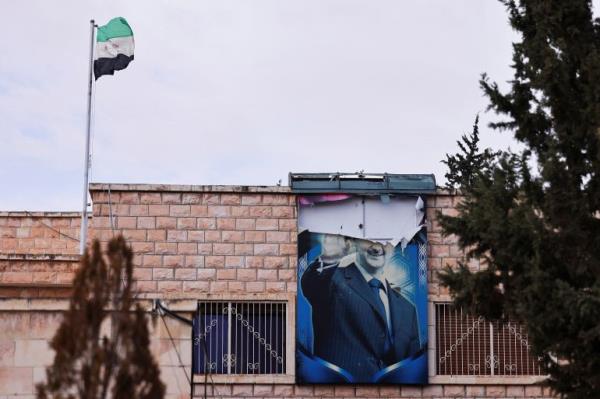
[
  {"x": 197, "y": 242},
  {"x": 191, "y": 242},
  {"x": 28, "y": 325},
  {"x": 40, "y": 233}
]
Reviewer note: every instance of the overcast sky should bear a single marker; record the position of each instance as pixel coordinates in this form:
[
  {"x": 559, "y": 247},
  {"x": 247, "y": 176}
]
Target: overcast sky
[{"x": 242, "y": 92}]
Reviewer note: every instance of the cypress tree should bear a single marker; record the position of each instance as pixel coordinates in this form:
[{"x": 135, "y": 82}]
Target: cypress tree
[
  {"x": 533, "y": 215},
  {"x": 89, "y": 363}
]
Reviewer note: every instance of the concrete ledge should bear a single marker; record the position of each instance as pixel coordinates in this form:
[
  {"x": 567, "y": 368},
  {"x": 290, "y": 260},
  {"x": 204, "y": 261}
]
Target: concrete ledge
[
  {"x": 189, "y": 188},
  {"x": 36, "y": 285},
  {"x": 246, "y": 379},
  {"x": 209, "y": 189},
  {"x": 486, "y": 380},
  {"x": 40, "y": 257},
  {"x": 29, "y": 304},
  {"x": 40, "y": 214}
]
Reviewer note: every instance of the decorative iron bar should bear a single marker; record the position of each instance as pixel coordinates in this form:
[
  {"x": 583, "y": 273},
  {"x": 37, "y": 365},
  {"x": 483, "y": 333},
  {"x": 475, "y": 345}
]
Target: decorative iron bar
[
  {"x": 240, "y": 337},
  {"x": 471, "y": 345}
]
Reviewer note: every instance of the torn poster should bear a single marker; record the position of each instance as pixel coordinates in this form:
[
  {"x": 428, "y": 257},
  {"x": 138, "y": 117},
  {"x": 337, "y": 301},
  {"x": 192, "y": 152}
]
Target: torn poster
[
  {"x": 361, "y": 310},
  {"x": 396, "y": 219}
]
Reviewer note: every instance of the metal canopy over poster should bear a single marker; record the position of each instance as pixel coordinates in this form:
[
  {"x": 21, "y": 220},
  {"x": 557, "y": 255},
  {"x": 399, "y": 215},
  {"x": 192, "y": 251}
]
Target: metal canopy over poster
[{"x": 362, "y": 289}]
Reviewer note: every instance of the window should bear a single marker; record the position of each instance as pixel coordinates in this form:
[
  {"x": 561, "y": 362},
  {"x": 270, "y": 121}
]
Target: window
[
  {"x": 468, "y": 345},
  {"x": 240, "y": 337}
]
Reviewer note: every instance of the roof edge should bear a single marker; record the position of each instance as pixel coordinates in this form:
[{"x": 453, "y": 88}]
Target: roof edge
[
  {"x": 40, "y": 214},
  {"x": 189, "y": 188}
]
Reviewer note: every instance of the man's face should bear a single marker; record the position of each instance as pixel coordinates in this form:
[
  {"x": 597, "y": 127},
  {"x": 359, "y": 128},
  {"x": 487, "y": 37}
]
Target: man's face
[
  {"x": 371, "y": 254},
  {"x": 334, "y": 246}
]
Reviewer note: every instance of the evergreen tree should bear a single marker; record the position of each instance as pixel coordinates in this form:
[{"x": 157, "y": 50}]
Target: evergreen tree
[
  {"x": 463, "y": 167},
  {"x": 88, "y": 363},
  {"x": 533, "y": 216}
]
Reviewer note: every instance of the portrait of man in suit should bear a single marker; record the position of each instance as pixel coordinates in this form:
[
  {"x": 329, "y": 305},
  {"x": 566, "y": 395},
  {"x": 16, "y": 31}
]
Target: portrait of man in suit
[{"x": 361, "y": 323}]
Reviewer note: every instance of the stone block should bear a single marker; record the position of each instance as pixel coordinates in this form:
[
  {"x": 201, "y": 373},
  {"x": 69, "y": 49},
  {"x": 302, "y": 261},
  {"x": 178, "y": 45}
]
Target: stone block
[
  {"x": 179, "y": 210},
  {"x": 223, "y": 249},
  {"x": 150, "y": 198},
  {"x": 266, "y": 274},
  {"x": 185, "y": 274},
  {"x": 14, "y": 324},
  {"x": 231, "y": 199},
  {"x": 251, "y": 199},
  {"x": 218, "y": 287},
  {"x": 408, "y": 391},
  {"x": 533, "y": 391},
  {"x": 255, "y": 286},
  {"x": 196, "y": 235},
  {"x": 195, "y": 286},
  {"x": 206, "y": 274},
  {"x": 266, "y": 249},
  {"x": 198, "y": 210},
  {"x": 278, "y": 236},
  {"x": 211, "y": 198},
  {"x": 246, "y": 274},
  {"x": 156, "y": 235},
  {"x": 191, "y": 198},
  {"x": 263, "y": 390},
  {"x": 171, "y": 198},
  {"x": 44, "y": 325},
  {"x": 167, "y": 287},
  {"x": 33, "y": 352},
  {"x": 283, "y": 211},
  {"x": 240, "y": 211},
  {"x": 138, "y": 210},
  {"x": 276, "y": 262},
  {"x": 163, "y": 222},
  {"x": 186, "y": 223},
  {"x": 234, "y": 261},
  {"x": 16, "y": 380},
  {"x": 261, "y": 211},
  {"x": 232, "y": 236},
  {"x": 287, "y": 224},
  {"x": 194, "y": 260},
  {"x": 454, "y": 391},
  {"x": 176, "y": 235},
  {"x": 146, "y": 222},
  {"x": 244, "y": 249},
  {"x": 7, "y": 352},
  {"x": 266, "y": 224},
  {"x": 162, "y": 274},
  {"x": 212, "y": 236},
  {"x": 226, "y": 224},
  {"x": 245, "y": 224},
  {"x": 495, "y": 391},
  {"x": 219, "y": 211},
  {"x": 242, "y": 390},
  {"x": 187, "y": 248}
]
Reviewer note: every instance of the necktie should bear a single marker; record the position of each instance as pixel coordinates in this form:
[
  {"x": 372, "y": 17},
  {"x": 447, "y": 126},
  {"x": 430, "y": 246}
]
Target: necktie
[{"x": 377, "y": 285}]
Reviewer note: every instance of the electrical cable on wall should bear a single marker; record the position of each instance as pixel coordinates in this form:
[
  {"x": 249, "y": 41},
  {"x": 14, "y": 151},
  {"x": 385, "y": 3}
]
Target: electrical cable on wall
[
  {"x": 52, "y": 228},
  {"x": 159, "y": 308}
]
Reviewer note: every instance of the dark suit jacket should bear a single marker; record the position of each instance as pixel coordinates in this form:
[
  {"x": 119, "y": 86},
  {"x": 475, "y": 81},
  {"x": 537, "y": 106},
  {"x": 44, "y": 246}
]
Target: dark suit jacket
[{"x": 349, "y": 329}]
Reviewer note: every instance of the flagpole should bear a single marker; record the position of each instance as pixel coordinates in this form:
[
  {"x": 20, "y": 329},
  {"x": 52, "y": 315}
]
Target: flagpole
[{"x": 84, "y": 213}]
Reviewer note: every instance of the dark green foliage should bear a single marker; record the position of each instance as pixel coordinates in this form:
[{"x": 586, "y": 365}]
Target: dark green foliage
[
  {"x": 464, "y": 166},
  {"x": 88, "y": 363},
  {"x": 534, "y": 215}
]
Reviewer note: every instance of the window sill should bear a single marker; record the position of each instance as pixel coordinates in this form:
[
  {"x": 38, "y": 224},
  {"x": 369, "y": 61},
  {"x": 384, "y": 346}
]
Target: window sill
[
  {"x": 247, "y": 378},
  {"x": 486, "y": 380}
]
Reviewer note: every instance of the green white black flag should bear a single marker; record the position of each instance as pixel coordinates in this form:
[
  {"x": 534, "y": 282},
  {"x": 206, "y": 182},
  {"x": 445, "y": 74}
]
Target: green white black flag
[{"x": 114, "y": 47}]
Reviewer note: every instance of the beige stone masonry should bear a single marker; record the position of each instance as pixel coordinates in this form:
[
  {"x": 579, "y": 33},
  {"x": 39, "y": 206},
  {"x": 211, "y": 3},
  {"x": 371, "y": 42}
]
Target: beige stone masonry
[{"x": 195, "y": 242}]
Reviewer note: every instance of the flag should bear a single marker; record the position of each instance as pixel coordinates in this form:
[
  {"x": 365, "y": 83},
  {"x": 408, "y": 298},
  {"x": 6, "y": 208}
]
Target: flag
[{"x": 114, "y": 47}]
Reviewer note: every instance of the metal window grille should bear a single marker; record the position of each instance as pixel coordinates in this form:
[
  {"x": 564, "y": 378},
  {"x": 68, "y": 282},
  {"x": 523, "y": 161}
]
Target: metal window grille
[
  {"x": 240, "y": 338},
  {"x": 471, "y": 345}
]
